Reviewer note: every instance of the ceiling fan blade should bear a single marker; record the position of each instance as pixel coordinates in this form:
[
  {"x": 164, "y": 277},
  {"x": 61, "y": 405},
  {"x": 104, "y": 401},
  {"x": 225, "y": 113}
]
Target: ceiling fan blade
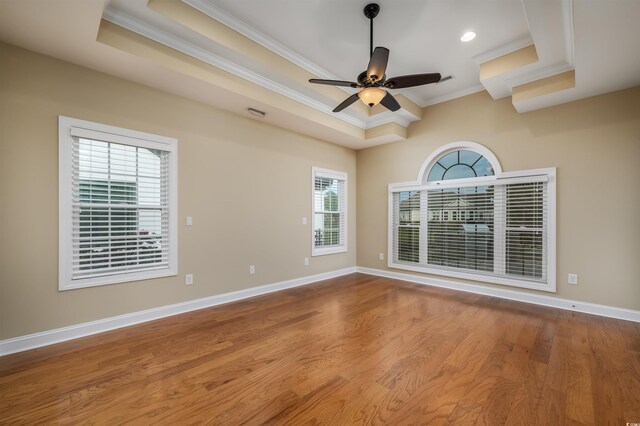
[
  {"x": 333, "y": 82},
  {"x": 412, "y": 80},
  {"x": 351, "y": 99},
  {"x": 378, "y": 63},
  {"x": 390, "y": 103}
]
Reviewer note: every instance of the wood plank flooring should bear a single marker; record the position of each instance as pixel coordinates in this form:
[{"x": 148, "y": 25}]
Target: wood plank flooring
[{"x": 357, "y": 349}]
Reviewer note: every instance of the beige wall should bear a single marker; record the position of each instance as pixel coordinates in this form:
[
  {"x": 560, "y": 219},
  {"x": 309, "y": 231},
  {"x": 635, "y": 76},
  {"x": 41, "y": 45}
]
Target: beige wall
[
  {"x": 594, "y": 143},
  {"x": 246, "y": 184}
]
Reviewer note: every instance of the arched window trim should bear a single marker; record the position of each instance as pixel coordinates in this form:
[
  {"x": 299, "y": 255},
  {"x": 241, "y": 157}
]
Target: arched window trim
[
  {"x": 457, "y": 146},
  {"x": 500, "y": 178}
]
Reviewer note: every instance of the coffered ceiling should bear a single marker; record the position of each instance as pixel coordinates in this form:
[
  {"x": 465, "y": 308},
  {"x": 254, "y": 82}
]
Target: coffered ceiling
[{"x": 236, "y": 54}]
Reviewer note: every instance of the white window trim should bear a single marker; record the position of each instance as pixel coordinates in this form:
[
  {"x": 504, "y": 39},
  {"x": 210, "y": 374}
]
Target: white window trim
[
  {"x": 65, "y": 180},
  {"x": 332, "y": 174},
  {"x": 420, "y": 184}
]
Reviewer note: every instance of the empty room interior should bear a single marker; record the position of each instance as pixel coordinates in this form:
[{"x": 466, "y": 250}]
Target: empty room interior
[{"x": 245, "y": 212}]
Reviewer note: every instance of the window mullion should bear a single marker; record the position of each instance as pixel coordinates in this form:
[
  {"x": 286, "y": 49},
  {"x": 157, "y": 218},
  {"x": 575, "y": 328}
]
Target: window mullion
[
  {"x": 423, "y": 244},
  {"x": 499, "y": 229}
]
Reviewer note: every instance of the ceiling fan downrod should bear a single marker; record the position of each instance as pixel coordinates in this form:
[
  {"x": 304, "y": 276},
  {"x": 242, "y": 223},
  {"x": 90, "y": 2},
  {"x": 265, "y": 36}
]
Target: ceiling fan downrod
[{"x": 371, "y": 11}]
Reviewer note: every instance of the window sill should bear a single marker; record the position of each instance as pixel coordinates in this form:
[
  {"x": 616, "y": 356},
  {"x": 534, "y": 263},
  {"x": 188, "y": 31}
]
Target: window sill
[
  {"x": 329, "y": 250},
  {"x": 549, "y": 286},
  {"x": 115, "y": 279}
]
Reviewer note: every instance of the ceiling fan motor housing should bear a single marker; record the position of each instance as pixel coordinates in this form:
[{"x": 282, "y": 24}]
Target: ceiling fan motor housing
[{"x": 371, "y": 10}]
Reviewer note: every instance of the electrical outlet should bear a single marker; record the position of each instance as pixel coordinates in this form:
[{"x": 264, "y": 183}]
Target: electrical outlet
[
  {"x": 381, "y": 256},
  {"x": 252, "y": 269},
  {"x": 573, "y": 279},
  {"x": 304, "y": 220},
  {"x": 189, "y": 221},
  {"x": 188, "y": 279},
  {"x": 306, "y": 261}
]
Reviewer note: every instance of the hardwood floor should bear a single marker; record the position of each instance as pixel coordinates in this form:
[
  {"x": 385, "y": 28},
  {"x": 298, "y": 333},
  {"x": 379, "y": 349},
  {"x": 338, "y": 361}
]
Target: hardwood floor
[{"x": 352, "y": 350}]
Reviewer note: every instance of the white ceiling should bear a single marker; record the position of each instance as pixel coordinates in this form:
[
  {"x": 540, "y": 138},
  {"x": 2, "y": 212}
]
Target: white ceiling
[
  {"x": 423, "y": 36},
  {"x": 331, "y": 37}
]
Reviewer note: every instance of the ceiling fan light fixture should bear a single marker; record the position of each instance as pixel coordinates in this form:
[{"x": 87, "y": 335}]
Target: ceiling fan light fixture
[
  {"x": 468, "y": 36},
  {"x": 372, "y": 96}
]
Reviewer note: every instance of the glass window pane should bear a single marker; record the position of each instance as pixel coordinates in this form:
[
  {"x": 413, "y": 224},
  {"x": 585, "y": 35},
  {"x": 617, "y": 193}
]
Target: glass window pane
[
  {"x": 436, "y": 173},
  {"x": 459, "y": 171},
  {"x": 449, "y": 159},
  {"x": 483, "y": 167},
  {"x": 469, "y": 157}
]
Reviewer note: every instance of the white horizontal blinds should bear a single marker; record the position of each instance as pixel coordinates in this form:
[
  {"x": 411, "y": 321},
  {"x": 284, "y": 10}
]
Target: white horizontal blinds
[
  {"x": 498, "y": 229},
  {"x": 526, "y": 230},
  {"x": 407, "y": 219},
  {"x": 120, "y": 205},
  {"x": 329, "y": 211},
  {"x": 460, "y": 228}
]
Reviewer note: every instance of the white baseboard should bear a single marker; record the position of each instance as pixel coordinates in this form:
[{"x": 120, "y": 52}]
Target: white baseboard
[
  {"x": 520, "y": 296},
  {"x": 36, "y": 340}
]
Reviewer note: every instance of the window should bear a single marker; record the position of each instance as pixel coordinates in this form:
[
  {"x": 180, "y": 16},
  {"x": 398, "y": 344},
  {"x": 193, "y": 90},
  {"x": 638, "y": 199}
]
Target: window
[
  {"x": 470, "y": 220},
  {"x": 329, "y": 212},
  {"x": 117, "y": 205}
]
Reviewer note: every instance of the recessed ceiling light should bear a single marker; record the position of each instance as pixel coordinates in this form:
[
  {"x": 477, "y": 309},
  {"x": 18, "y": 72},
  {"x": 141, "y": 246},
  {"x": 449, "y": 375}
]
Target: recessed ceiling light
[{"x": 468, "y": 36}]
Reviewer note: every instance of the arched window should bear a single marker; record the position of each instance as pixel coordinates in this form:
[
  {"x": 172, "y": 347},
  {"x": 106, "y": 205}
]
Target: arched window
[
  {"x": 465, "y": 218},
  {"x": 460, "y": 164}
]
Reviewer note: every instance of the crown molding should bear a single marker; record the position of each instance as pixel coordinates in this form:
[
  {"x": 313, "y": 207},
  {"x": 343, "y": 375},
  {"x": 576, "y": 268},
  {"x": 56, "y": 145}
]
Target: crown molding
[
  {"x": 503, "y": 50},
  {"x": 567, "y": 18},
  {"x": 167, "y": 39},
  {"x": 248, "y": 31},
  {"x": 454, "y": 95},
  {"x": 538, "y": 74},
  {"x": 153, "y": 33}
]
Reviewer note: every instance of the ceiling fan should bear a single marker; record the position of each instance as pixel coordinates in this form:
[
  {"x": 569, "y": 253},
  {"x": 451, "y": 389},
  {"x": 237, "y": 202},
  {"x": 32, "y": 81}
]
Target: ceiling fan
[{"x": 373, "y": 81}]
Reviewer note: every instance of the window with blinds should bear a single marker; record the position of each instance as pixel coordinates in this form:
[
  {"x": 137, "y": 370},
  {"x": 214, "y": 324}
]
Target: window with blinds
[
  {"x": 329, "y": 212},
  {"x": 497, "y": 229},
  {"x": 117, "y": 205}
]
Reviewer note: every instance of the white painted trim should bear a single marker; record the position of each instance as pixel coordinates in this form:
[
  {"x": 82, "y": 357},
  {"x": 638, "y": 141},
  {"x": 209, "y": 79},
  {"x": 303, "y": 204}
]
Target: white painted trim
[
  {"x": 519, "y": 296},
  {"x": 567, "y": 18},
  {"x": 500, "y": 178},
  {"x": 49, "y": 337},
  {"x": 479, "y": 277},
  {"x": 332, "y": 174},
  {"x": 450, "y": 96},
  {"x": 455, "y": 146},
  {"x": 503, "y": 50},
  {"x": 536, "y": 75},
  {"x": 68, "y": 128}
]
